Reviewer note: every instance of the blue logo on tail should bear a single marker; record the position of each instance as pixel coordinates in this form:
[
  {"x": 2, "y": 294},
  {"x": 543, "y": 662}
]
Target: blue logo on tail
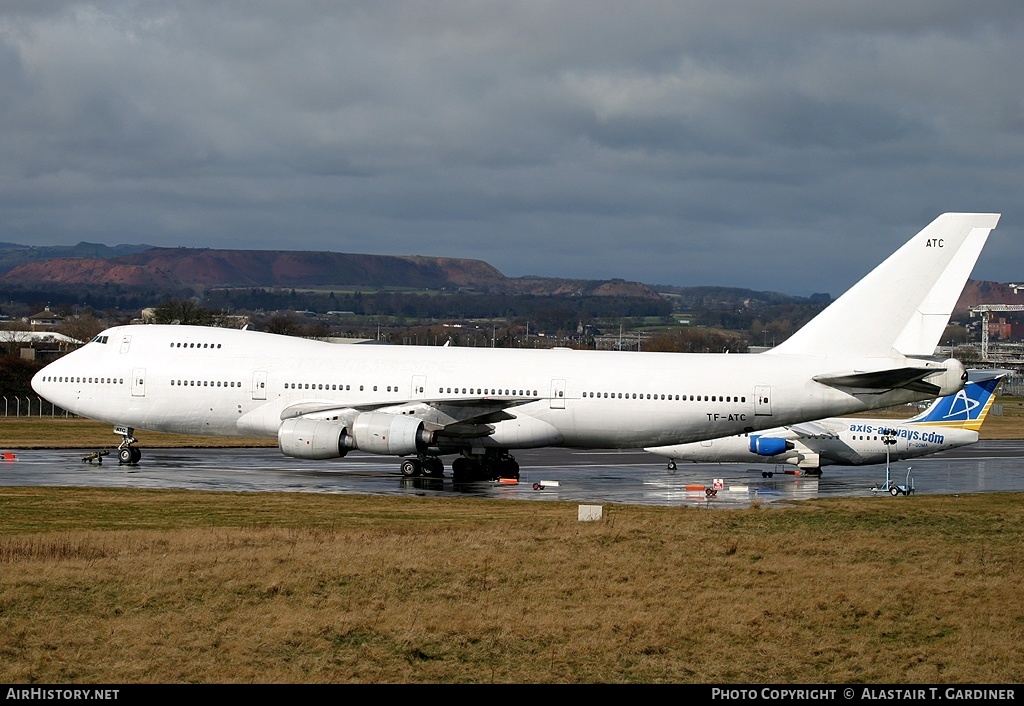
[{"x": 964, "y": 406}]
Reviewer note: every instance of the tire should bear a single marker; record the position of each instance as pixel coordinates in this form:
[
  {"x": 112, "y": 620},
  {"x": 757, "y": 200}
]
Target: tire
[
  {"x": 410, "y": 468},
  {"x": 461, "y": 468},
  {"x": 894, "y": 491},
  {"x": 125, "y": 455}
]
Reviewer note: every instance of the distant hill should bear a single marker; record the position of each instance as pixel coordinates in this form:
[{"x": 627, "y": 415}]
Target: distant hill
[
  {"x": 175, "y": 268},
  {"x": 13, "y": 255},
  {"x": 980, "y": 292}
]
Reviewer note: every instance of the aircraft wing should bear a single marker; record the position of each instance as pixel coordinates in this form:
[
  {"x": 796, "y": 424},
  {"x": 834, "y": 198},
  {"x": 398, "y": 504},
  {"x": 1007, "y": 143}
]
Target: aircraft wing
[
  {"x": 880, "y": 381},
  {"x": 812, "y": 430},
  {"x": 464, "y": 417}
]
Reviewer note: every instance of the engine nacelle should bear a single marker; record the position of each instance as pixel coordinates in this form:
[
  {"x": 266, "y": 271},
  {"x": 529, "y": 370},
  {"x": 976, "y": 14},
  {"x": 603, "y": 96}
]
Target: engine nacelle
[
  {"x": 312, "y": 438},
  {"x": 372, "y": 432},
  {"x": 375, "y": 432},
  {"x": 768, "y": 445},
  {"x": 390, "y": 434}
]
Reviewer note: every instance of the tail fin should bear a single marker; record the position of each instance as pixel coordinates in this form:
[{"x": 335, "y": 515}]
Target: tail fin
[
  {"x": 904, "y": 304},
  {"x": 968, "y": 408}
]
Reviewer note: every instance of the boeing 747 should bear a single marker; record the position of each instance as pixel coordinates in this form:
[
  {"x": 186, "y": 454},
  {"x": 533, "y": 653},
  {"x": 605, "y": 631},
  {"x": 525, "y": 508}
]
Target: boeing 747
[{"x": 871, "y": 348}]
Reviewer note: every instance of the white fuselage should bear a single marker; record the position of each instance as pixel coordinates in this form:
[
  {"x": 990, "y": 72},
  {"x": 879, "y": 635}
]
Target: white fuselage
[
  {"x": 855, "y": 442},
  {"x": 200, "y": 380}
]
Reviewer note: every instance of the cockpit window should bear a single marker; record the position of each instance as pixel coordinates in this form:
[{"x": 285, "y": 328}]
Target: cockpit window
[{"x": 98, "y": 339}]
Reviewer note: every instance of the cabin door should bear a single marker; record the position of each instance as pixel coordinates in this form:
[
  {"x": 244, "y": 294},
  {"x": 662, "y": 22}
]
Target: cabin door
[
  {"x": 259, "y": 385},
  {"x": 138, "y": 382},
  {"x": 558, "y": 394},
  {"x": 763, "y": 400},
  {"x": 419, "y": 387}
]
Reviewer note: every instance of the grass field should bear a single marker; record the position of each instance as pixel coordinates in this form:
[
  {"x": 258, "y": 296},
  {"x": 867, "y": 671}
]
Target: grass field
[
  {"x": 137, "y": 586},
  {"x": 134, "y": 586}
]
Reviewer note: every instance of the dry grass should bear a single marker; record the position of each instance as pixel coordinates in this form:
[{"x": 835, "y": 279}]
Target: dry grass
[{"x": 126, "y": 586}]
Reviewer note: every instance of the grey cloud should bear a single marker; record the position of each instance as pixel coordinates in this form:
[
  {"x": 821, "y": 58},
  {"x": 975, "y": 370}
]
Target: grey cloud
[{"x": 786, "y": 145}]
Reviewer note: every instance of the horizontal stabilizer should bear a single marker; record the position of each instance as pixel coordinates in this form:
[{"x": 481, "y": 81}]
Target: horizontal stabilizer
[{"x": 883, "y": 380}]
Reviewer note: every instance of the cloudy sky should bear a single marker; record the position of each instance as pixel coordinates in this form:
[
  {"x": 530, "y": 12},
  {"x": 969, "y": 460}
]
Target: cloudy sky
[{"x": 787, "y": 145}]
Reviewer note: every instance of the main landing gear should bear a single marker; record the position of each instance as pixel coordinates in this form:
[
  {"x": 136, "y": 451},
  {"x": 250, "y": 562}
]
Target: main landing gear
[
  {"x": 423, "y": 465},
  {"x": 493, "y": 465},
  {"x": 127, "y": 453}
]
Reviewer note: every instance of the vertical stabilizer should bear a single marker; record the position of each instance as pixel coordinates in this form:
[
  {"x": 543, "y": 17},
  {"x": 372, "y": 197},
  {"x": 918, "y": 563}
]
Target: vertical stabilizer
[
  {"x": 967, "y": 408},
  {"x": 904, "y": 304}
]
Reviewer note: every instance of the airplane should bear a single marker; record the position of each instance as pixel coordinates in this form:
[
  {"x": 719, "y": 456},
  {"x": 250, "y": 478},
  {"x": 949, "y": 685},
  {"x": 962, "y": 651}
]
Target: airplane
[
  {"x": 947, "y": 423},
  {"x": 871, "y": 348}
]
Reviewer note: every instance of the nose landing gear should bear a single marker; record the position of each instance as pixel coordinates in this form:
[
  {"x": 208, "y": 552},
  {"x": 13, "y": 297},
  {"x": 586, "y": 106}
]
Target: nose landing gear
[{"x": 127, "y": 453}]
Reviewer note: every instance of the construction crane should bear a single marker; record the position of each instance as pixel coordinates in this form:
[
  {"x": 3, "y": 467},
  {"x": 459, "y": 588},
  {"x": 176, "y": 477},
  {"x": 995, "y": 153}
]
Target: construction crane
[{"x": 986, "y": 313}]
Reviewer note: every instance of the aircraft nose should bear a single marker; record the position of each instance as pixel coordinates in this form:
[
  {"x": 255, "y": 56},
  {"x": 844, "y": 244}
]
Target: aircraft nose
[
  {"x": 43, "y": 381},
  {"x": 37, "y": 382}
]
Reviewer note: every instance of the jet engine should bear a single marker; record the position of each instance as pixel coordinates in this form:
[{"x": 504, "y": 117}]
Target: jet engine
[
  {"x": 769, "y": 446},
  {"x": 373, "y": 432}
]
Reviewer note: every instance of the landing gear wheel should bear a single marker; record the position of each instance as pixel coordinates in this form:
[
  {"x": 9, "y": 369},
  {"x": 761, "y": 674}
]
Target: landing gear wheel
[
  {"x": 127, "y": 453},
  {"x": 461, "y": 468},
  {"x": 671, "y": 465},
  {"x": 411, "y": 468},
  {"x": 508, "y": 468},
  {"x": 434, "y": 467}
]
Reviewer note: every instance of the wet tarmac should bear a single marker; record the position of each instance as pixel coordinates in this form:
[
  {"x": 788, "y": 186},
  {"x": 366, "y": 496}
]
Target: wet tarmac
[{"x": 580, "y": 476}]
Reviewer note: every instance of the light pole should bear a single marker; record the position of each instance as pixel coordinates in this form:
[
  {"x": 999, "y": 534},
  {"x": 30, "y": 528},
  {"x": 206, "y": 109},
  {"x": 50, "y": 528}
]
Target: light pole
[{"x": 888, "y": 438}]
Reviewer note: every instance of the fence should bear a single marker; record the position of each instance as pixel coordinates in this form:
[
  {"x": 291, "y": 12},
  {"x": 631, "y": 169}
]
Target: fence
[
  {"x": 1013, "y": 385},
  {"x": 30, "y": 406}
]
